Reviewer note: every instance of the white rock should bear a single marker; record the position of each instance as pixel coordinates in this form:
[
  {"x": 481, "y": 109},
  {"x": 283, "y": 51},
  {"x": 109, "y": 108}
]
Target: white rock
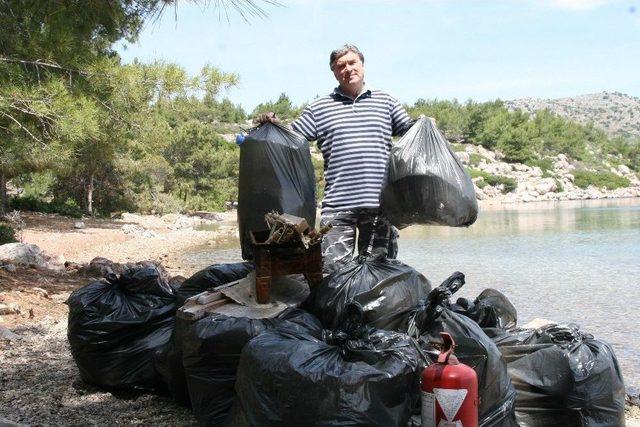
[
  {"x": 624, "y": 169},
  {"x": 536, "y": 172},
  {"x": 519, "y": 167},
  {"x": 546, "y": 185},
  {"x": 24, "y": 253},
  {"x": 463, "y": 156},
  {"x": 7, "y": 335},
  {"x": 480, "y": 194},
  {"x": 79, "y": 225}
]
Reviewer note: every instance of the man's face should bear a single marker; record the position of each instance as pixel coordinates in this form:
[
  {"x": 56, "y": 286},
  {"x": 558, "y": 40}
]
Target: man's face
[{"x": 349, "y": 70}]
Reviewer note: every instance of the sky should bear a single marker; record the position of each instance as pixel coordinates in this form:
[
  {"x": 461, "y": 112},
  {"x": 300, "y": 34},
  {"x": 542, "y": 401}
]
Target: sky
[{"x": 464, "y": 49}]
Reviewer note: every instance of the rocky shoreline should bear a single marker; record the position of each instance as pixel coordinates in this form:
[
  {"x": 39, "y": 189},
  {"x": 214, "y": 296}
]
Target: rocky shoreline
[{"x": 534, "y": 184}]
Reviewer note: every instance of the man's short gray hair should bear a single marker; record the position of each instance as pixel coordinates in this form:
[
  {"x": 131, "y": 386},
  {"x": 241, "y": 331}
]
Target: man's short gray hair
[{"x": 339, "y": 53}]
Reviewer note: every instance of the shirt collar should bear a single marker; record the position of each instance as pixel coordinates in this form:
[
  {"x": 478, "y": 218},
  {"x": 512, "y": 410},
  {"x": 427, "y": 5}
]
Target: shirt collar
[{"x": 365, "y": 92}]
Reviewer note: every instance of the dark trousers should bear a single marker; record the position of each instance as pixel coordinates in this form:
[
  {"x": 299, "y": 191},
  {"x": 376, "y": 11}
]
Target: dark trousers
[{"x": 371, "y": 231}]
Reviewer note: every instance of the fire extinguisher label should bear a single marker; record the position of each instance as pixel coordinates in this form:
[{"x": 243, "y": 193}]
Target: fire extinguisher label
[
  {"x": 450, "y": 400},
  {"x": 445, "y": 423},
  {"x": 428, "y": 412}
]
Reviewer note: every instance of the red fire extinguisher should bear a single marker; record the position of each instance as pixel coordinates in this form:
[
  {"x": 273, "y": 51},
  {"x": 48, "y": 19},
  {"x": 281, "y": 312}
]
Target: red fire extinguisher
[{"x": 449, "y": 391}]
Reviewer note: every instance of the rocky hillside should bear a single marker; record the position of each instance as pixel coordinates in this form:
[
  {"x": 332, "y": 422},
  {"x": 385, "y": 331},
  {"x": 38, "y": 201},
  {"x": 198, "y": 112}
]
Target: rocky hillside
[
  {"x": 516, "y": 182},
  {"x": 614, "y": 112}
]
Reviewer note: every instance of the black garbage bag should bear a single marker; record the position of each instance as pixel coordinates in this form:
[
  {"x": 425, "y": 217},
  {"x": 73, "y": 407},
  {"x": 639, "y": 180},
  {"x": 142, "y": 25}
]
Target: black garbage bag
[
  {"x": 275, "y": 174},
  {"x": 212, "y": 277},
  {"x": 491, "y": 309},
  {"x": 211, "y": 352},
  {"x": 168, "y": 359},
  {"x": 384, "y": 287},
  {"x": 426, "y": 182},
  {"x": 358, "y": 376},
  {"x": 473, "y": 348},
  {"x": 563, "y": 377},
  {"x": 168, "y": 363},
  {"x": 116, "y": 326}
]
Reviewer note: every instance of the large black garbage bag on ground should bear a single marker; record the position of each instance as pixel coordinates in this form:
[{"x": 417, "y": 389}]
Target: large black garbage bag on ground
[
  {"x": 491, "y": 309},
  {"x": 473, "y": 348},
  {"x": 115, "y": 327},
  {"x": 211, "y": 352},
  {"x": 384, "y": 287},
  {"x": 563, "y": 377},
  {"x": 168, "y": 363},
  {"x": 426, "y": 182},
  {"x": 360, "y": 377},
  {"x": 168, "y": 359},
  {"x": 275, "y": 174},
  {"x": 212, "y": 277}
]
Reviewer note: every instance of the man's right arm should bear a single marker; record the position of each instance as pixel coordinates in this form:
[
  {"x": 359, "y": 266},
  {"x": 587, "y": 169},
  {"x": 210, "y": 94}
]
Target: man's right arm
[{"x": 306, "y": 124}]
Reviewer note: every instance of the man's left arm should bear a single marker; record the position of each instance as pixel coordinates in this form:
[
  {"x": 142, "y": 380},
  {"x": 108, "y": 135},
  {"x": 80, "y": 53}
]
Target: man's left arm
[{"x": 400, "y": 120}]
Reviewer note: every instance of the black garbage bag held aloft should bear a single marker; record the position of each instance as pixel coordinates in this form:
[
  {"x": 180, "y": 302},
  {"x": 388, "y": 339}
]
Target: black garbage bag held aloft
[
  {"x": 355, "y": 376},
  {"x": 115, "y": 327},
  {"x": 491, "y": 309},
  {"x": 211, "y": 350},
  {"x": 426, "y": 182},
  {"x": 211, "y": 277},
  {"x": 473, "y": 348},
  {"x": 384, "y": 287},
  {"x": 168, "y": 359},
  {"x": 275, "y": 174},
  {"x": 563, "y": 377}
]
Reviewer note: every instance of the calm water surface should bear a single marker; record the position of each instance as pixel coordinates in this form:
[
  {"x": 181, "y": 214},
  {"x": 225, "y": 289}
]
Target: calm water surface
[{"x": 571, "y": 261}]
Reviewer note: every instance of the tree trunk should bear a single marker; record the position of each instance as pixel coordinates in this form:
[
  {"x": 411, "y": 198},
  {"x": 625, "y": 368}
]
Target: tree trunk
[
  {"x": 4, "y": 200},
  {"x": 90, "y": 194}
]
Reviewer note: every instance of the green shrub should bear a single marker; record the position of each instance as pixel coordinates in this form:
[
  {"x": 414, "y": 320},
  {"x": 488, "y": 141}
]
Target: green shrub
[
  {"x": 509, "y": 184},
  {"x": 543, "y": 164},
  {"x": 33, "y": 204},
  {"x": 7, "y": 234},
  {"x": 457, "y": 147},
  {"x": 602, "y": 179},
  {"x": 29, "y": 203},
  {"x": 67, "y": 208},
  {"x": 475, "y": 159},
  {"x": 560, "y": 187}
]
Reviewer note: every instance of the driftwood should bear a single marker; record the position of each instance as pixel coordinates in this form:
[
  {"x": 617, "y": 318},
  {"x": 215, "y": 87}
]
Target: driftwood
[
  {"x": 289, "y": 228},
  {"x": 197, "y": 306}
]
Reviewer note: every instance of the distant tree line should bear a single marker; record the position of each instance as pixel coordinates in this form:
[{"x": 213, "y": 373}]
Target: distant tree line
[{"x": 82, "y": 133}]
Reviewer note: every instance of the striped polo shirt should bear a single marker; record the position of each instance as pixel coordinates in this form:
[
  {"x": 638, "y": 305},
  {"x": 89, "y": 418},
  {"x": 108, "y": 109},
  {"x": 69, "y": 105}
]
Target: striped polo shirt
[{"x": 354, "y": 136}]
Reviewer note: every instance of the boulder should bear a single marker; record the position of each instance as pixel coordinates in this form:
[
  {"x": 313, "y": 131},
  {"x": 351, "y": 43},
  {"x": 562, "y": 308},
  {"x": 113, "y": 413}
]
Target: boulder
[
  {"x": 7, "y": 335},
  {"x": 209, "y": 216},
  {"x": 496, "y": 168},
  {"x": 137, "y": 230},
  {"x": 536, "y": 172},
  {"x": 519, "y": 167},
  {"x": 464, "y": 157},
  {"x": 624, "y": 169},
  {"x": 78, "y": 225},
  {"x": 546, "y": 185},
  {"x": 24, "y": 254}
]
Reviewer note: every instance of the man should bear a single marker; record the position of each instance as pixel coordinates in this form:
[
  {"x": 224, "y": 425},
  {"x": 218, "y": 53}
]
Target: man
[{"x": 353, "y": 127}]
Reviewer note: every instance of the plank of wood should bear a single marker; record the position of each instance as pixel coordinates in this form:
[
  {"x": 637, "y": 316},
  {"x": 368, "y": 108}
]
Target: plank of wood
[
  {"x": 209, "y": 297},
  {"x": 198, "y": 311}
]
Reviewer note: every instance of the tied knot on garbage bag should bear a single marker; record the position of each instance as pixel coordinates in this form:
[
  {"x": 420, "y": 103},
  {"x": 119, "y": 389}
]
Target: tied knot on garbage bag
[
  {"x": 354, "y": 375},
  {"x": 562, "y": 376},
  {"x": 116, "y": 325},
  {"x": 385, "y": 288}
]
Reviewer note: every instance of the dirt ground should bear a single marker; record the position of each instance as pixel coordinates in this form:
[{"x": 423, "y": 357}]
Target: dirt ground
[{"x": 39, "y": 381}]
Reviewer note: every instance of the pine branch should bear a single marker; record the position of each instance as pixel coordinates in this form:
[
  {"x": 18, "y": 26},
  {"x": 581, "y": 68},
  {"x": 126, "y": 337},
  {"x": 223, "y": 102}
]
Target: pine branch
[
  {"x": 9, "y": 116},
  {"x": 40, "y": 63}
]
